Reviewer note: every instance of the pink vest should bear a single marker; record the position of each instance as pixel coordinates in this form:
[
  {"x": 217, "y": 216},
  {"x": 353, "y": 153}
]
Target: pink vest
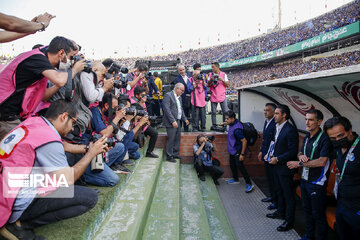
[
  {"x": 218, "y": 92},
  {"x": 17, "y": 149},
  {"x": 131, "y": 91},
  {"x": 33, "y": 93},
  {"x": 199, "y": 94}
]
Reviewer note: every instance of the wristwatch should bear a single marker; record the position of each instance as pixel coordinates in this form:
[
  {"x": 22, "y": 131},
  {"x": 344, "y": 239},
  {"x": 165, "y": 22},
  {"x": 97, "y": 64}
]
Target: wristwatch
[
  {"x": 43, "y": 27},
  {"x": 87, "y": 148},
  {"x": 301, "y": 163}
]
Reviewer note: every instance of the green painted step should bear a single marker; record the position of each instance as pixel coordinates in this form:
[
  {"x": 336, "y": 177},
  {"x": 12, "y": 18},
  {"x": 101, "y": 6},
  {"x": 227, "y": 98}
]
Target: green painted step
[
  {"x": 128, "y": 216},
  {"x": 194, "y": 223},
  {"x": 220, "y": 226},
  {"x": 163, "y": 220}
]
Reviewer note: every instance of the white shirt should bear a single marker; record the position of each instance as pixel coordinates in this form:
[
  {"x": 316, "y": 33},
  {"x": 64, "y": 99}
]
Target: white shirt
[
  {"x": 91, "y": 93},
  {"x": 178, "y": 105},
  {"x": 185, "y": 79},
  {"x": 278, "y": 130}
]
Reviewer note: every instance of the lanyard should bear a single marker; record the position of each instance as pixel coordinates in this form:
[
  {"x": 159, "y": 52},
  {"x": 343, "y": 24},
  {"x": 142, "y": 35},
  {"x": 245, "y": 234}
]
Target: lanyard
[
  {"x": 349, "y": 155},
  {"x": 314, "y": 145}
]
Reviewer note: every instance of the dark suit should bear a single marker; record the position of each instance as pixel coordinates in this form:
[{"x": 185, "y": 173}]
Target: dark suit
[
  {"x": 268, "y": 136},
  {"x": 185, "y": 104},
  {"x": 286, "y": 149},
  {"x": 170, "y": 109}
]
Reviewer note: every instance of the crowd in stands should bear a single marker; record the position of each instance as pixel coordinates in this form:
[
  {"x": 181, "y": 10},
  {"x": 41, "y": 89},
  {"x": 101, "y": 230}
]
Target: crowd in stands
[{"x": 292, "y": 68}]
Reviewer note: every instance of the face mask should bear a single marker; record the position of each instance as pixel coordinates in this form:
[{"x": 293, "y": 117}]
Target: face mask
[
  {"x": 107, "y": 112},
  {"x": 342, "y": 143},
  {"x": 65, "y": 66}
]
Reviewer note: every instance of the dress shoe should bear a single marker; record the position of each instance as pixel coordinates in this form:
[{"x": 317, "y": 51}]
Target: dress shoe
[
  {"x": 170, "y": 159},
  {"x": 202, "y": 178},
  {"x": 216, "y": 182},
  {"x": 285, "y": 226},
  {"x": 272, "y": 207},
  {"x": 177, "y": 157},
  {"x": 151, "y": 155},
  {"x": 275, "y": 215},
  {"x": 267, "y": 199}
]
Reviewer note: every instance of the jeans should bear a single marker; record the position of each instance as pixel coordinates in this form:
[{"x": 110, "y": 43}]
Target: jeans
[
  {"x": 199, "y": 115},
  {"x": 48, "y": 210},
  {"x": 224, "y": 109},
  {"x": 107, "y": 177},
  {"x": 236, "y": 164},
  {"x": 313, "y": 198},
  {"x": 347, "y": 222},
  {"x": 214, "y": 171},
  {"x": 130, "y": 146}
]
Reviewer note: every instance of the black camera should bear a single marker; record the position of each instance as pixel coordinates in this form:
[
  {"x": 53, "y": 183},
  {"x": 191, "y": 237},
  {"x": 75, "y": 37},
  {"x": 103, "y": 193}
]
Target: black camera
[
  {"x": 130, "y": 111},
  {"x": 216, "y": 78},
  {"x": 199, "y": 77},
  {"x": 208, "y": 96},
  {"x": 110, "y": 141},
  {"x": 148, "y": 75},
  {"x": 116, "y": 69},
  {"x": 87, "y": 67},
  {"x": 141, "y": 113},
  {"x": 120, "y": 83},
  {"x": 123, "y": 96},
  {"x": 211, "y": 138},
  {"x": 218, "y": 128}
]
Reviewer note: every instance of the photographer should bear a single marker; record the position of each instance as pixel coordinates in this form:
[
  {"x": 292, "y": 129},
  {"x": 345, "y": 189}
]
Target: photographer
[
  {"x": 218, "y": 83},
  {"x": 20, "y": 95},
  {"x": 42, "y": 147},
  {"x": 137, "y": 78},
  {"x": 198, "y": 102},
  {"x": 139, "y": 100},
  {"x": 100, "y": 124},
  {"x": 203, "y": 160},
  {"x": 90, "y": 83}
]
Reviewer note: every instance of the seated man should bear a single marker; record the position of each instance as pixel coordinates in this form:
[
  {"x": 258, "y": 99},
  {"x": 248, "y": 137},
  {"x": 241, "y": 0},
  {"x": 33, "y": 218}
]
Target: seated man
[
  {"x": 140, "y": 98},
  {"x": 42, "y": 147},
  {"x": 203, "y": 161},
  {"x": 101, "y": 125}
]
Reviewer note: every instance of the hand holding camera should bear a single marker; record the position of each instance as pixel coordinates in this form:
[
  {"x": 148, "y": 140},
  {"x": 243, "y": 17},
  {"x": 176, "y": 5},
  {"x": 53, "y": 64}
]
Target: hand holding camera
[
  {"x": 120, "y": 113},
  {"x": 108, "y": 84},
  {"x": 95, "y": 148}
]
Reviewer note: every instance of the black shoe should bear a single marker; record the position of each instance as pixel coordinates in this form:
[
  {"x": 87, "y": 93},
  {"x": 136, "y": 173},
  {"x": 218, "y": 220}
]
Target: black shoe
[
  {"x": 285, "y": 226},
  {"x": 195, "y": 130},
  {"x": 275, "y": 215},
  {"x": 272, "y": 206},
  {"x": 119, "y": 168},
  {"x": 151, "y": 155},
  {"x": 267, "y": 199},
  {"x": 170, "y": 159},
  {"x": 13, "y": 231},
  {"x": 177, "y": 157},
  {"x": 202, "y": 178},
  {"x": 203, "y": 130},
  {"x": 216, "y": 182}
]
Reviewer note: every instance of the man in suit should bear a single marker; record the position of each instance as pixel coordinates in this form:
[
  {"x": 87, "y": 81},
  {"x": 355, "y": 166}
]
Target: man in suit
[
  {"x": 286, "y": 142},
  {"x": 268, "y": 135},
  {"x": 173, "y": 114},
  {"x": 183, "y": 78}
]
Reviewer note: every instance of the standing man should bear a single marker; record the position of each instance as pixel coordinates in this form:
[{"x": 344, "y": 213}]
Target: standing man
[
  {"x": 183, "y": 78},
  {"x": 198, "y": 102},
  {"x": 173, "y": 114},
  {"x": 158, "y": 96},
  {"x": 24, "y": 80},
  {"x": 314, "y": 158},
  {"x": 237, "y": 148},
  {"x": 286, "y": 142},
  {"x": 268, "y": 135},
  {"x": 218, "y": 83},
  {"x": 347, "y": 183}
]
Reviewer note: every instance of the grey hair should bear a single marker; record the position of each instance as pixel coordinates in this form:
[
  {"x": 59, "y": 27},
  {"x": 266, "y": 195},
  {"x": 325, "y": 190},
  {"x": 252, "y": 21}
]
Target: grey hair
[
  {"x": 179, "y": 85},
  {"x": 180, "y": 65}
]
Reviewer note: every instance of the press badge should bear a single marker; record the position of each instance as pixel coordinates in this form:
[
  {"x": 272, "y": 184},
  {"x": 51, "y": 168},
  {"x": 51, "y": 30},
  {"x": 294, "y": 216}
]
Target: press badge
[{"x": 305, "y": 173}]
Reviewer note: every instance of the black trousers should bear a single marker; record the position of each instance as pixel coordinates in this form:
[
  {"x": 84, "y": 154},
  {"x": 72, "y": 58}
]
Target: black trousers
[
  {"x": 187, "y": 111},
  {"x": 156, "y": 105},
  {"x": 269, "y": 171},
  {"x": 199, "y": 117},
  {"x": 235, "y": 164},
  {"x": 48, "y": 210},
  {"x": 347, "y": 223},
  {"x": 153, "y": 134},
  {"x": 214, "y": 171},
  {"x": 313, "y": 198},
  {"x": 285, "y": 194}
]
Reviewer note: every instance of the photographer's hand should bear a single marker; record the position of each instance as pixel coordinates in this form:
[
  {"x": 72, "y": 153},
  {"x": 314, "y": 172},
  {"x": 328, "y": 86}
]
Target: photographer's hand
[
  {"x": 78, "y": 67},
  {"x": 175, "y": 125},
  {"x": 97, "y": 147},
  {"x": 143, "y": 120},
  {"x": 119, "y": 114},
  {"x": 108, "y": 84}
]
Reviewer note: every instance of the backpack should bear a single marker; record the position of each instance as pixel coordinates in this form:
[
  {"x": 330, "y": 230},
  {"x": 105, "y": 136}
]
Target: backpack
[{"x": 250, "y": 133}]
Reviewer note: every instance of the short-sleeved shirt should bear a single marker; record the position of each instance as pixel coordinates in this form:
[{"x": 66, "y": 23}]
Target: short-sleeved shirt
[
  {"x": 97, "y": 122},
  {"x": 323, "y": 148},
  {"x": 51, "y": 157},
  {"x": 204, "y": 157},
  {"x": 27, "y": 72}
]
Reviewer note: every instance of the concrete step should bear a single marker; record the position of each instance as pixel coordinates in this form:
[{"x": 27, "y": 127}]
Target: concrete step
[
  {"x": 194, "y": 222},
  {"x": 163, "y": 219},
  {"x": 127, "y": 218},
  {"x": 220, "y": 226}
]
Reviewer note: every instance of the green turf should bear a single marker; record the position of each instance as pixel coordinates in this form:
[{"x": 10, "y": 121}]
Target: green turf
[
  {"x": 194, "y": 222},
  {"x": 220, "y": 226},
  {"x": 163, "y": 219},
  {"x": 128, "y": 216}
]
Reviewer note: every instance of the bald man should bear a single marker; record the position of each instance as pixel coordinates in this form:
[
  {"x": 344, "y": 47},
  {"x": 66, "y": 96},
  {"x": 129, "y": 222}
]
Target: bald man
[
  {"x": 89, "y": 83},
  {"x": 183, "y": 78}
]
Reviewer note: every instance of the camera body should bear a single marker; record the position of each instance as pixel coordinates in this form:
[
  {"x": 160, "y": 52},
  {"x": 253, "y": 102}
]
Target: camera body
[
  {"x": 218, "y": 128},
  {"x": 208, "y": 96},
  {"x": 97, "y": 163},
  {"x": 87, "y": 67},
  {"x": 216, "y": 78},
  {"x": 110, "y": 141},
  {"x": 200, "y": 77}
]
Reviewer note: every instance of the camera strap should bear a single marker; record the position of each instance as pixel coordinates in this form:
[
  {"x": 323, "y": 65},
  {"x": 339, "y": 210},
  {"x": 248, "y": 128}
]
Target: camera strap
[{"x": 69, "y": 88}]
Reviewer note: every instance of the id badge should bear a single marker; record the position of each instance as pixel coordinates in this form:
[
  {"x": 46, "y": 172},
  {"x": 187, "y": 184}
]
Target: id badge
[
  {"x": 336, "y": 185},
  {"x": 305, "y": 173}
]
